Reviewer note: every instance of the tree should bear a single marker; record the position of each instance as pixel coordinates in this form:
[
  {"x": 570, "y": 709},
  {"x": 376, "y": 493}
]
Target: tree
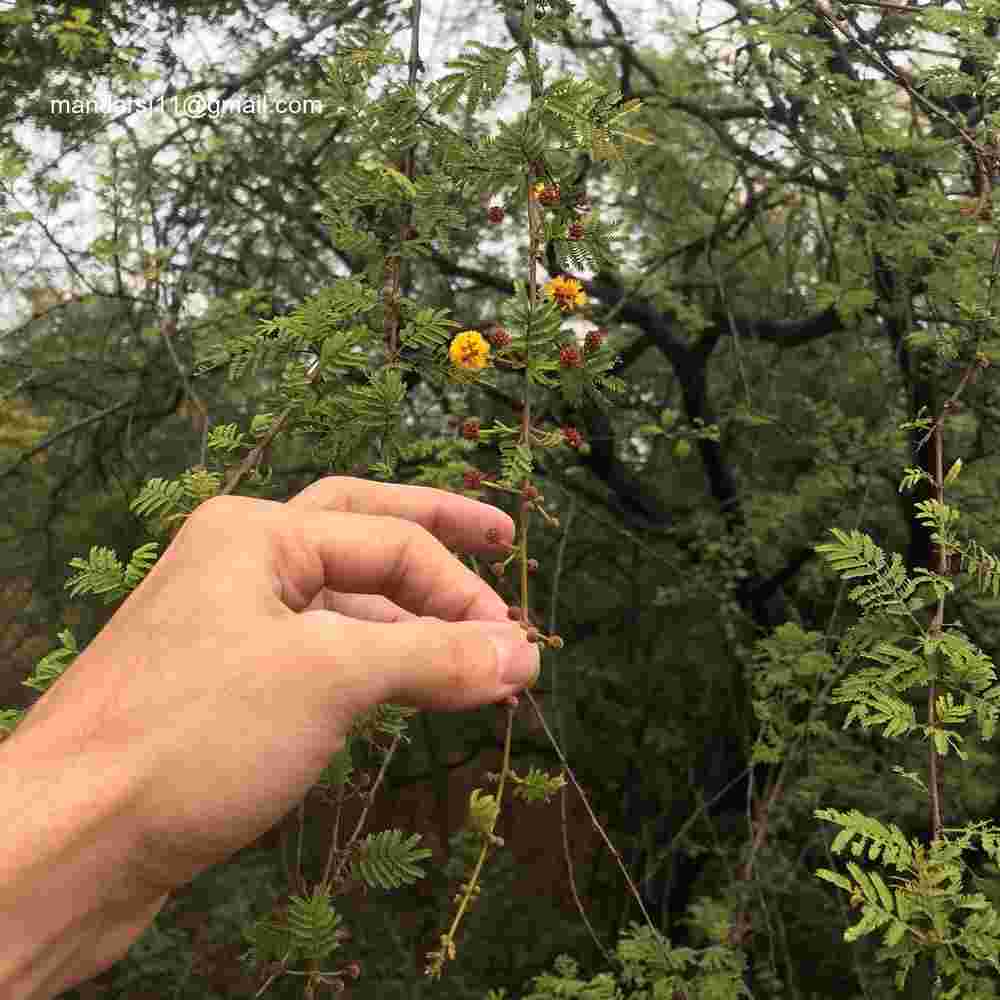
[{"x": 807, "y": 262}]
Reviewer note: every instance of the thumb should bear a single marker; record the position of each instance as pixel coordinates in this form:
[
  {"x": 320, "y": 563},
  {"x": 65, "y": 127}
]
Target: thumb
[{"x": 429, "y": 663}]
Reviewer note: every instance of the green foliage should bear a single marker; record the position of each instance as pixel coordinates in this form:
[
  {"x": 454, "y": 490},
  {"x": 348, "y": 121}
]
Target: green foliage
[
  {"x": 648, "y": 967},
  {"x": 855, "y": 555},
  {"x": 53, "y": 665},
  {"x": 535, "y": 786},
  {"x": 163, "y": 501},
  {"x": 103, "y": 573},
  {"x": 382, "y": 720},
  {"x": 928, "y": 910},
  {"x": 787, "y": 667},
  {"x": 310, "y": 931},
  {"x": 480, "y": 74},
  {"x": 387, "y": 861}
]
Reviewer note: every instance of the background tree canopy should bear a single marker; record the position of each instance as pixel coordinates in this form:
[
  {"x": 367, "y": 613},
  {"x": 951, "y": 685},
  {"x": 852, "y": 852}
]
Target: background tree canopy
[{"x": 806, "y": 260}]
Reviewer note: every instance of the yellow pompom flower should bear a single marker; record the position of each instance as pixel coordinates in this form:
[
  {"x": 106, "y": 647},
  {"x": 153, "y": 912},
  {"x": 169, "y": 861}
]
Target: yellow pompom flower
[
  {"x": 469, "y": 349},
  {"x": 566, "y": 292}
]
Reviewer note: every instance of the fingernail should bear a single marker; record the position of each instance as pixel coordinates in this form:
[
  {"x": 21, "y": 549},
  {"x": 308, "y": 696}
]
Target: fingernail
[{"x": 520, "y": 661}]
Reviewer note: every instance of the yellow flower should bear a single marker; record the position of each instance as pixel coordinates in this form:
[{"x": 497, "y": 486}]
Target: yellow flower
[
  {"x": 566, "y": 292},
  {"x": 469, "y": 349}
]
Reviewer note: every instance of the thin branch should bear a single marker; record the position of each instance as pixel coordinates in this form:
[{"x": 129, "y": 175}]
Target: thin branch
[{"x": 65, "y": 432}]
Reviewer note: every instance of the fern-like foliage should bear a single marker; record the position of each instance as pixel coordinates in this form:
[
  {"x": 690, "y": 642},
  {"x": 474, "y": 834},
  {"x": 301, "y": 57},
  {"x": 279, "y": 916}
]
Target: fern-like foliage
[
  {"x": 382, "y": 720},
  {"x": 387, "y": 860},
  {"x": 163, "y": 501},
  {"x": 102, "y": 573},
  {"x": 648, "y": 966},
  {"x": 927, "y": 907},
  {"x": 480, "y": 74},
  {"x": 855, "y": 555},
  {"x": 984, "y": 566},
  {"x": 536, "y": 330},
  {"x": 516, "y": 462},
  {"x": 593, "y": 118},
  {"x": 925, "y": 910},
  {"x": 593, "y": 251},
  {"x": 310, "y": 931},
  {"x": 53, "y": 665},
  {"x": 9, "y": 720}
]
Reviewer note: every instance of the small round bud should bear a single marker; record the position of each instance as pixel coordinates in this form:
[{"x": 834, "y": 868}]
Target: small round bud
[
  {"x": 497, "y": 568},
  {"x": 498, "y": 337},
  {"x": 531, "y": 492},
  {"x": 532, "y": 635},
  {"x": 555, "y": 642},
  {"x": 575, "y": 231},
  {"x": 353, "y": 970},
  {"x": 514, "y": 613},
  {"x": 495, "y": 214},
  {"x": 569, "y": 357},
  {"x": 549, "y": 195},
  {"x": 532, "y": 565},
  {"x": 470, "y": 429}
]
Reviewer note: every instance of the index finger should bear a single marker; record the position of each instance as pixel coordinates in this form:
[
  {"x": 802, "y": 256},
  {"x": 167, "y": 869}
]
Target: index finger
[{"x": 457, "y": 522}]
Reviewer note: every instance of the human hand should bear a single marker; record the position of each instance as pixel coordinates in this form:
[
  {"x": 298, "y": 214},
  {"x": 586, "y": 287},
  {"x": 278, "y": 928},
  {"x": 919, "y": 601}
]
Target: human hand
[{"x": 232, "y": 674}]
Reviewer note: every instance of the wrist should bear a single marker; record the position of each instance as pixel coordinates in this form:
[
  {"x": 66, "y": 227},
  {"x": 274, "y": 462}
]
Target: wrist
[{"x": 70, "y": 904}]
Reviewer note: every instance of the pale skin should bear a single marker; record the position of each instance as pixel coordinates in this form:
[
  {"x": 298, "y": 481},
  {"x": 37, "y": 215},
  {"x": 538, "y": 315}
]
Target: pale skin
[{"x": 214, "y": 698}]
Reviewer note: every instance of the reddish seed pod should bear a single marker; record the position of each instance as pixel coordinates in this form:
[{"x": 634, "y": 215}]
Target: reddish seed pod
[
  {"x": 498, "y": 337},
  {"x": 532, "y": 635},
  {"x": 514, "y": 613},
  {"x": 531, "y": 492},
  {"x": 497, "y": 568},
  {"x": 569, "y": 357},
  {"x": 549, "y": 195},
  {"x": 532, "y": 565}
]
